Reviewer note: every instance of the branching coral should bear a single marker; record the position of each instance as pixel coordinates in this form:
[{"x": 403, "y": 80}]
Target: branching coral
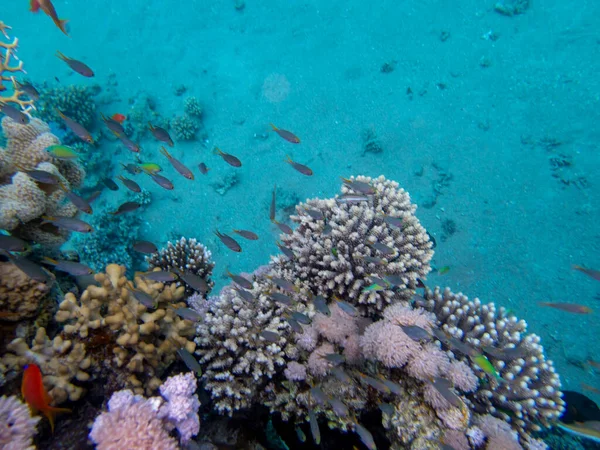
[
  {"x": 184, "y": 127},
  {"x": 529, "y": 396},
  {"x": 17, "y": 427},
  {"x": 74, "y": 101},
  {"x": 143, "y": 340},
  {"x": 8, "y": 69},
  {"x": 347, "y": 336},
  {"x": 185, "y": 255},
  {"x": 23, "y": 200},
  {"x": 354, "y": 245}
]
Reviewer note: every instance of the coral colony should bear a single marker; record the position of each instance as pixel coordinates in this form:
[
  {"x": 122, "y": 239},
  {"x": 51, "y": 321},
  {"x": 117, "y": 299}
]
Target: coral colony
[{"x": 337, "y": 327}]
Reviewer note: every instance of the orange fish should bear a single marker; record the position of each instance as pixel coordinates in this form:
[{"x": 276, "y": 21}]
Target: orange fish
[
  {"x": 595, "y": 274},
  {"x": 35, "y": 394},
  {"x": 569, "y": 307},
  {"x": 118, "y": 118},
  {"x": 48, "y": 8}
]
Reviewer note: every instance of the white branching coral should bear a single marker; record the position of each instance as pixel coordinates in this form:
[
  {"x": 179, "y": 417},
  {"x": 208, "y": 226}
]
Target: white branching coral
[
  {"x": 344, "y": 245},
  {"x": 531, "y": 387}
]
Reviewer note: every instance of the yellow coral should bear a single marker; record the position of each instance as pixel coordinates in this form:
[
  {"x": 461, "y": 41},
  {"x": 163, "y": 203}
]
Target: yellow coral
[
  {"x": 145, "y": 341},
  {"x": 20, "y": 296},
  {"x": 7, "y": 51},
  {"x": 63, "y": 362}
]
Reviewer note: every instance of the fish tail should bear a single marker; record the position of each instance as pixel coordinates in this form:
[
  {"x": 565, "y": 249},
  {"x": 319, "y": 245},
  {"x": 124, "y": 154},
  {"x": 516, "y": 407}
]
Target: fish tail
[
  {"x": 150, "y": 126},
  {"x": 288, "y": 159},
  {"x": 62, "y": 25},
  {"x": 274, "y": 127},
  {"x": 62, "y": 186},
  {"x": 164, "y": 151},
  {"x": 58, "y": 111},
  {"x": 61, "y": 56},
  {"x": 217, "y": 151}
]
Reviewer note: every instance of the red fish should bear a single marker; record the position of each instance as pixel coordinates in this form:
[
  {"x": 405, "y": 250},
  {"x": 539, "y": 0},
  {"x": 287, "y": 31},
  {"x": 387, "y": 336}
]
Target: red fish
[
  {"x": 48, "y": 8},
  {"x": 569, "y": 307},
  {"x": 595, "y": 274},
  {"x": 35, "y": 394},
  {"x": 118, "y": 118}
]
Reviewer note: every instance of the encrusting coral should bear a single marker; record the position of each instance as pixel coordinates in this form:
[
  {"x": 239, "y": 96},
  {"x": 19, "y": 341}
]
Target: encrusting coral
[
  {"x": 17, "y": 427},
  {"x": 23, "y": 201},
  {"x": 20, "y": 296},
  {"x": 185, "y": 255},
  {"x": 7, "y": 70},
  {"x": 133, "y": 421},
  {"x": 333, "y": 329}
]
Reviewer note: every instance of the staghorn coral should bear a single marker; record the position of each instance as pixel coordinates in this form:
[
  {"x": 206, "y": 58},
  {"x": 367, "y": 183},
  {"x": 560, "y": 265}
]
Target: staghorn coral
[
  {"x": 143, "y": 342},
  {"x": 133, "y": 421},
  {"x": 17, "y": 427},
  {"x": 20, "y": 296},
  {"x": 24, "y": 201},
  {"x": 531, "y": 391},
  {"x": 63, "y": 362},
  {"x": 185, "y": 255},
  {"x": 8, "y": 69},
  {"x": 334, "y": 261}
]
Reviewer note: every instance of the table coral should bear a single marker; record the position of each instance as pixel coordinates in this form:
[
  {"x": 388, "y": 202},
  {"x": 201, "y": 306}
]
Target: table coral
[
  {"x": 143, "y": 341},
  {"x": 24, "y": 201},
  {"x": 8, "y": 69},
  {"x": 20, "y": 296}
]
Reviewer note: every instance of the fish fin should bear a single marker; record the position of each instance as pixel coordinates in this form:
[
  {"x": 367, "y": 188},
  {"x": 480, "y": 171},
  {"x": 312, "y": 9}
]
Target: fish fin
[
  {"x": 62, "y": 25},
  {"x": 274, "y": 127},
  {"x": 50, "y": 260},
  {"x": 164, "y": 151},
  {"x": 63, "y": 57},
  {"x": 34, "y": 6}
]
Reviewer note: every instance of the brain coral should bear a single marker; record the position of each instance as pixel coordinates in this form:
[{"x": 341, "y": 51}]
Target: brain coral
[{"x": 23, "y": 200}]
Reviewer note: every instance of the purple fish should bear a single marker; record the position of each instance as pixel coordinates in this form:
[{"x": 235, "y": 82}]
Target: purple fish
[
  {"x": 77, "y": 129},
  {"x": 229, "y": 242},
  {"x": 77, "y": 66},
  {"x": 15, "y": 114}
]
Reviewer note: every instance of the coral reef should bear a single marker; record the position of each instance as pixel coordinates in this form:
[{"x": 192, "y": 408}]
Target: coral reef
[
  {"x": 133, "y": 421},
  {"x": 352, "y": 245},
  {"x": 111, "y": 241},
  {"x": 20, "y": 296},
  {"x": 143, "y": 340},
  {"x": 109, "y": 335},
  {"x": 184, "y": 127},
  {"x": 8, "y": 68},
  {"x": 192, "y": 107},
  {"x": 76, "y": 102},
  {"x": 23, "y": 200},
  {"x": 17, "y": 427},
  {"x": 185, "y": 255},
  {"x": 333, "y": 329},
  {"x": 529, "y": 397}
]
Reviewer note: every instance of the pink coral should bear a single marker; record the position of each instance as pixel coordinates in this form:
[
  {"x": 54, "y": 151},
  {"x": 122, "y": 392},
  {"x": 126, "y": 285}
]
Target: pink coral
[
  {"x": 500, "y": 436},
  {"x": 295, "y": 371},
  {"x": 317, "y": 364},
  {"x": 387, "y": 343},
  {"x": 430, "y": 363},
  {"x": 131, "y": 422},
  {"x": 337, "y": 327},
  {"x": 17, "y": 427},
  {"x": 181, "y": 409},
  {"x": 461, "y": 376}
]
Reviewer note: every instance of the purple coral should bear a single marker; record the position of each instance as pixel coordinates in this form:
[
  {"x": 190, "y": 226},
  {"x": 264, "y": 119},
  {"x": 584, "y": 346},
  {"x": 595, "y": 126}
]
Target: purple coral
[
  {"x": 181, "y": 409},
  {"x": 17, "y": 427},
  {"x": 133, "y": 421}
]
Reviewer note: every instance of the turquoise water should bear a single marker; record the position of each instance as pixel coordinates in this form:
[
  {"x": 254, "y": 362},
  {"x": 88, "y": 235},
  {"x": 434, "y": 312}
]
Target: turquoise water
[{"x": 488, "y": 121}]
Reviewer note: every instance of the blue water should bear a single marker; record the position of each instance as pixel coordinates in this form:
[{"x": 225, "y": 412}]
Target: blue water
[{"x": 473, "y": 110}]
